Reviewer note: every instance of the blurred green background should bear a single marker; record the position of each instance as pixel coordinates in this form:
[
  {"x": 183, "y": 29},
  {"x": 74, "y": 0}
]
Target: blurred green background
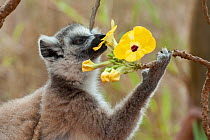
[{"x": 22, "y": 71}]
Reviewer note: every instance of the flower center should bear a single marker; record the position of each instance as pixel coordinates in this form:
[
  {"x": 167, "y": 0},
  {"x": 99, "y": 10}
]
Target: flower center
[{"x": 134, "y": 48}]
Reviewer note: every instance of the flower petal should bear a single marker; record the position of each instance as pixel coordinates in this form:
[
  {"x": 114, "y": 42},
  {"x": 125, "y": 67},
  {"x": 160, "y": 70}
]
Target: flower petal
[
  {"x": 139, "y": 55},
  {"x": 149, "y": 46},
  {"x": 111, "y": 31},
  {"x": 127, "y": 37},
  {"x": 142, "y": 35},
  {"x": 105, "y": 76},
  {"x": 110, "y": 35},
  {"x": 133, "y": 56},
  {"x": 108, "y": 39},
  {"x": 99, "y": 46},
  {"x": 114, "y": 75},
  {"x": 87, "y": 65},
  {"x": 141, "y": 31},
  {"x": 120, "y": 50},
  {"x": 112, "y": 23}
]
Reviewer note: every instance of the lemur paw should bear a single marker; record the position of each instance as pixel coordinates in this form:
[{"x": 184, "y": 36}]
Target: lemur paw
[
  {"x": 163, "y": 57},
  {"x": 157, "y": 71}
]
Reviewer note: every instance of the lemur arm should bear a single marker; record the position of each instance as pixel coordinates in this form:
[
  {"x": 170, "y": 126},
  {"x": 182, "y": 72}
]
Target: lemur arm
[{"x": 127, "y": 114}]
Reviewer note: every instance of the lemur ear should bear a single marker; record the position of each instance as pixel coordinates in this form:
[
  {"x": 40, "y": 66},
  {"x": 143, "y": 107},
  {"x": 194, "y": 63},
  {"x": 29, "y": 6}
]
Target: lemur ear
[{"x": 49, "y": 48}]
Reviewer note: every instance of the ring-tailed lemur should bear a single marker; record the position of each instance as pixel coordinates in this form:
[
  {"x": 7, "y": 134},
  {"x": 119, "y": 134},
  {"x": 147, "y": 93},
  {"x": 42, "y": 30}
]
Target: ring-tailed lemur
[{"x": 69, "y": 106}]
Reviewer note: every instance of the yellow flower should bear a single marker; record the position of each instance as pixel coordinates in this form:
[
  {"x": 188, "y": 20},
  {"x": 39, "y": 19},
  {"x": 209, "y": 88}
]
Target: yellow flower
[
  {"x": 105, "y": 76},
  {"x": 114, "y": 75},
  {"x": 112, "y": 23},
  {"x": 135, "y": 44},
  {"x": 109, "y": 39},
  {"x": 88, "y": 65}
]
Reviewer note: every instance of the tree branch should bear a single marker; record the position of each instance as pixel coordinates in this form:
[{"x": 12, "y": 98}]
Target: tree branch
[
  {"x": 6, "y": 9},
  {"x": 205, "y": 11},
  {"x": 205, "y": 104},
  {"x": 183, "y": 55},
  {"x": 148, "y": 65},
  {"x": 188, "y": 56},
  {"x": 93, "y": 15}
]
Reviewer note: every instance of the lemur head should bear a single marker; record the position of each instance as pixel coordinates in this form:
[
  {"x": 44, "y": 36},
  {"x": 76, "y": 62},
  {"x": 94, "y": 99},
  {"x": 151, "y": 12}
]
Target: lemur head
[
  {"x": 70, "y": 47},
  {"x": 72, "y": 42}
]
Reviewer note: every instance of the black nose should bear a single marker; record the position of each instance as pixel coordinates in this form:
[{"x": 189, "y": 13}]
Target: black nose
[{"x": 100, "y": 35}]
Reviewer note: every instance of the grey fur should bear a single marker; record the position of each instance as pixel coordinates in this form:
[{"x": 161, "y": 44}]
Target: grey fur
[{"x": 69, "y": 106}]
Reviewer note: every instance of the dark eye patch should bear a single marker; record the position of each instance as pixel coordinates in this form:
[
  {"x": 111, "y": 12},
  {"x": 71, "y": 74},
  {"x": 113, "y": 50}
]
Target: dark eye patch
[{"x": 79, "y": 40}]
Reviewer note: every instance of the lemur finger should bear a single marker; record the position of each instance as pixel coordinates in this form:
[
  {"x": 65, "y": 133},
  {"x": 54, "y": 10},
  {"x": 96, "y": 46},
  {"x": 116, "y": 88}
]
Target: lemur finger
[{"x": 145, "y": 73}]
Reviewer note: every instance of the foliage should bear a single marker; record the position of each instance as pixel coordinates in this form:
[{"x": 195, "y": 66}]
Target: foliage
[{"x": 198, "y": 131}]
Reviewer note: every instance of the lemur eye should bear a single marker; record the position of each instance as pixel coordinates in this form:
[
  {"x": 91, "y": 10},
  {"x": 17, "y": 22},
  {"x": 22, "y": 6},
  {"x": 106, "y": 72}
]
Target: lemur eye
[{"x": 79, "y": 40}]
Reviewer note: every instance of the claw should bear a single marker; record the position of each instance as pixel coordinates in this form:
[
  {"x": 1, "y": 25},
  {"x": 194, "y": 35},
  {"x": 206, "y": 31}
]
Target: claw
[{"x": 164, "y": 50}]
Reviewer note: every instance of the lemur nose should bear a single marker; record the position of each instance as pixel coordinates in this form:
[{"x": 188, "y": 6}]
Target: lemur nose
[{"x": 100, "y": 35}]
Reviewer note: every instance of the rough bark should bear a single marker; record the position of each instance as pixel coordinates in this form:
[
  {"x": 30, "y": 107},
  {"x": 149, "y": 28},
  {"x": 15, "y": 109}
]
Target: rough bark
[{"x": 6, "y": 9}]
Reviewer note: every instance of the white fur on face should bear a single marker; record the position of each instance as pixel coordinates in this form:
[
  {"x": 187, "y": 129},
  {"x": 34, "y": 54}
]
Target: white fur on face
[
  {"x": 78, "y": 31},
  {"x": 95, "y": 31}
]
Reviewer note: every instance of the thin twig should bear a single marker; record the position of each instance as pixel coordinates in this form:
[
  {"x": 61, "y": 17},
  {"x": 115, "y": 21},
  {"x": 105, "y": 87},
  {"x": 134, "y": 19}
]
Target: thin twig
[
  {"x": 205, "y": 11},
  {"x": 6, "y": 9},
  {"x": 93, "y": 15},
  {"x": 204, "y": 103},
  {"x": 188, "y": 56},
  {"x": 184, "y": 55}
]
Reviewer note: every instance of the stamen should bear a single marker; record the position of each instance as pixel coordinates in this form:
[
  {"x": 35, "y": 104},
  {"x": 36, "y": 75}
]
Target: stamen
[{"x": 134, "y": 48}]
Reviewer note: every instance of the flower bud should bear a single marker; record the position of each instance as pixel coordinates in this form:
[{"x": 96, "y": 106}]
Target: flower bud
[
  {"x": 105, "y": 76},
  {"x": 114, "y": 75},
  {"x": 88, "y": 65}
]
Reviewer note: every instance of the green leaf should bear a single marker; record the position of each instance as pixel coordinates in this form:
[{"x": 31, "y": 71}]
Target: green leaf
[{"x": 198, "y": 131}]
